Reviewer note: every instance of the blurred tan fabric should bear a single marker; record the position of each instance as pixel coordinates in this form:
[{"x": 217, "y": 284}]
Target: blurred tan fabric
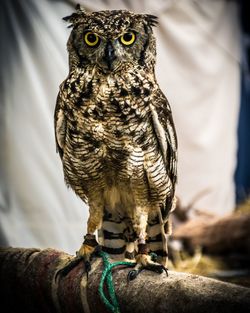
[
  {"x": 36, "y": 208},
  {"x": 197, "y": 68}
]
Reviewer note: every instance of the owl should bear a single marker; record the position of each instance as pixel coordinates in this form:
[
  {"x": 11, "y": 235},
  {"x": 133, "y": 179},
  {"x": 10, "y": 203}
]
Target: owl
[{"x": 116, "y": 137}]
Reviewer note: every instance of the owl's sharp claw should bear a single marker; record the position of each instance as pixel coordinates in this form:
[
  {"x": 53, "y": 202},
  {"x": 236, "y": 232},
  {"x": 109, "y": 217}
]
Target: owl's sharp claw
[
  {"x": 86, "y": 255},
  {"x": 166, "y": 270},
  {"x": 87, "y": 266},
  {"x": 68, "y": 267},
  {"x": 144, "y": 262},
  {"x": 73, "y": 263},
  {"x": 97, "y": 251},
  {"x": 157, "y": 268},
  {"x": 133, "y": 274}
]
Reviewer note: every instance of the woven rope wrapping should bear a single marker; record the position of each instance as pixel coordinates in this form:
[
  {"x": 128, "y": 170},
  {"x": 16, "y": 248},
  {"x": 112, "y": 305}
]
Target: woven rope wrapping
[{"x": 113, "y": 305}]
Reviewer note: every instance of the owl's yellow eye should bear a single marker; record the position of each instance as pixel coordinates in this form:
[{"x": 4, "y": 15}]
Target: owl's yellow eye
[
  {"x": 91, "y": 39},
  {"x": 128, "y": 38}
]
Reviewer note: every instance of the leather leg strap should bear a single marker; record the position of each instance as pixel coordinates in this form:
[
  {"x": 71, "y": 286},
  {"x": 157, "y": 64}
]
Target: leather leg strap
[
  {"x": 90, "y": 240},
  {"x": 143, "y": 248}
]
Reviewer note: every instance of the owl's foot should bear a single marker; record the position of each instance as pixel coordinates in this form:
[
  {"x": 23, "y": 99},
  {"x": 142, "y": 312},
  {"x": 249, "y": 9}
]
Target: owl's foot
[
  {"x": 145, "y": 262},
  {"x": 88, "y": 249},
  {"x": 150, "y": 265}
]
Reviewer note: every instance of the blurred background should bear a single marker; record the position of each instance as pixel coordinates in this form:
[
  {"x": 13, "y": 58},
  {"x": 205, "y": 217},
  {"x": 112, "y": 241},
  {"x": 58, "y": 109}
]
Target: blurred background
[{"x": 203, "y": 52}]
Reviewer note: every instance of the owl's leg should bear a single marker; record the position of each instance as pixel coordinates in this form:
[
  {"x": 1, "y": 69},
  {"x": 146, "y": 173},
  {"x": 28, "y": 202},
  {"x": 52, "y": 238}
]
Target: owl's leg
[
  {"x": 87, "y": 249},
  {"x": 165, "y": 232},
  {"x": 157, "y": 242},
  {"x": 143, "y": 258},
  {"x": 130, "y": 238},
  {"x": 130, "y": 251},
  {"x": 89, "y": 245}
]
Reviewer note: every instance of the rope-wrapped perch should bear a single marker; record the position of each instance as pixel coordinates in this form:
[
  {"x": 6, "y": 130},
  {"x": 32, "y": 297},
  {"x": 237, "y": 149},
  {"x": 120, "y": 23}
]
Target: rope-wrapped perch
[{"x": 27, "y": 280}]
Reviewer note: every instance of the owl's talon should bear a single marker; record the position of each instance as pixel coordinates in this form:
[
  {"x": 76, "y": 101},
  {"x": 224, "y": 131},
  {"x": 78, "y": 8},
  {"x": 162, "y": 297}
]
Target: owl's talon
[
  {"x": 68, "y": 267},
  {"x": 73, "y": 263},
  {"x": 133, "y": 274},
  {"x": 144, "y": 262},
  {"x": 87, "y": 266},
  {"x": 166, "y": 270},
  {"x": 86, "y": 253},
  {"x": 153, "y": 256},
  {"x": 157, "y": 268},
  {"x": 96, "y": 252}
]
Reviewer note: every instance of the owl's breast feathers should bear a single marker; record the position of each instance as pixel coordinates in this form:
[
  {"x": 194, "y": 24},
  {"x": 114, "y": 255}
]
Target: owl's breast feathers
[{"x": 116, "y": 131}]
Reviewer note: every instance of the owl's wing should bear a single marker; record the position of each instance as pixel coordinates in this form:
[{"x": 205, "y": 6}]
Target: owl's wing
[
  {"x": 166, "y": 135},
  {"x": 60, "y": 125}
]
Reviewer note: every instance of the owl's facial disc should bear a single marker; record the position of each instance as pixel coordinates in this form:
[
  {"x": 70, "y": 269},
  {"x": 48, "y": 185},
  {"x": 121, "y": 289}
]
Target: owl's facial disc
[
  {"x": 111, "y": 40},
  {"x": 107, "y": 51}
]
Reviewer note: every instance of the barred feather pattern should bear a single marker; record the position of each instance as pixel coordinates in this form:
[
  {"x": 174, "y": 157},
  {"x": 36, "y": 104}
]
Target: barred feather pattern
[{"x": 117, "y": 141}]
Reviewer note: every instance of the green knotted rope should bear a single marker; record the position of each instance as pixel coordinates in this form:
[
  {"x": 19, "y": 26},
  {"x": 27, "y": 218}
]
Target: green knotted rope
[{"x": 112, "y": 305}]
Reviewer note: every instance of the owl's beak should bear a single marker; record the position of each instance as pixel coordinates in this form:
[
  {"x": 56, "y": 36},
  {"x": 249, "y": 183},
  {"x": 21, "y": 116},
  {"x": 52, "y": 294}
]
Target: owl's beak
[{"x": 109, "y": 55}]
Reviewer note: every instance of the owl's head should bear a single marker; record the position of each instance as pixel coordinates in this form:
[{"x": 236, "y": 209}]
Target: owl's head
[{"x": 111, "y": 40}]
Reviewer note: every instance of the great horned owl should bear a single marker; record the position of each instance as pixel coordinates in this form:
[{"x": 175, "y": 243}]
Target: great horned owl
[{"x": 115, "y": 135}]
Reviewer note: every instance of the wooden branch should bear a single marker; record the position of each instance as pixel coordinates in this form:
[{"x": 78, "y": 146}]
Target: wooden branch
[
  {"x": 28, "y": 285},
  {"x": 217, "y": 236}
]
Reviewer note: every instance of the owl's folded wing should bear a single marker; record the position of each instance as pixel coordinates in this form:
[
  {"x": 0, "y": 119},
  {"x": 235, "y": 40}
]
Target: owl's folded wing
[
  {"x": 166, "y": 135},
  {"x": 60, "y": 125}
]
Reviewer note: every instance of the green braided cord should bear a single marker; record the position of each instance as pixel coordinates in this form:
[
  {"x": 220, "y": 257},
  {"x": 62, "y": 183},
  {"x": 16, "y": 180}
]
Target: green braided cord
[
  {"x": 106, "y": 274},
  {"x": 113, "y": 306},
  {"x": 153, "y": 256}
]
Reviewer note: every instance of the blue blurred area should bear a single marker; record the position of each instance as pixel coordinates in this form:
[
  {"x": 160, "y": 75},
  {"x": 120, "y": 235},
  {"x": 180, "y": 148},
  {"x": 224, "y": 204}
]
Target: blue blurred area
[{"x": 242, "y": 175}]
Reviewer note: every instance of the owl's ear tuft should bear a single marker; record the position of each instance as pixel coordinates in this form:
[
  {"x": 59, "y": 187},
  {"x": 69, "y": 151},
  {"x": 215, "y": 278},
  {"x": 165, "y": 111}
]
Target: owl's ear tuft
[
  {"x": 152, "y": 20},
  {"x": 78, "y": 7},
  {"x": 75, "y": 17}
]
